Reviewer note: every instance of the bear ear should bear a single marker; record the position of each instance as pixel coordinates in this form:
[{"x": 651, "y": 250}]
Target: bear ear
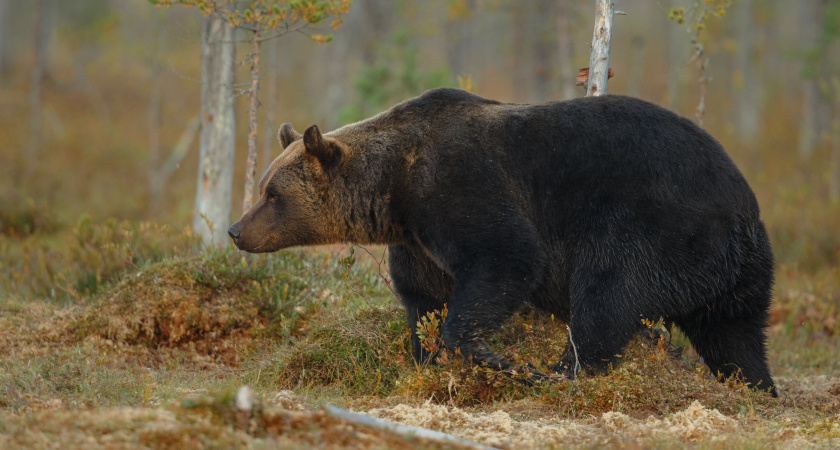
[
  {"x": 287, "y": 134},
  {"x": 327, "y": 151}
]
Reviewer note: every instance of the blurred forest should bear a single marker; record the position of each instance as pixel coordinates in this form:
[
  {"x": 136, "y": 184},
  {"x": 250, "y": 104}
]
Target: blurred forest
[
  {"x": 118, "y": 327},
  {"x": 119, "y": 88}
]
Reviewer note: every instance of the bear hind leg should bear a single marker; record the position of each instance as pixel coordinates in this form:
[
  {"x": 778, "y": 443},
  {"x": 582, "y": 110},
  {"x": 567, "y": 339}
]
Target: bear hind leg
[
  {"x": 598, "y": 333},
  {"x": 733, "y": 347}
]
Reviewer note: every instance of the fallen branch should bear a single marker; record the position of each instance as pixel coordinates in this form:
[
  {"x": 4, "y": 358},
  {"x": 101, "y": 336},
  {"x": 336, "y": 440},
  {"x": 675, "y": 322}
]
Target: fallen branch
[{"x": 402, "y": 430}]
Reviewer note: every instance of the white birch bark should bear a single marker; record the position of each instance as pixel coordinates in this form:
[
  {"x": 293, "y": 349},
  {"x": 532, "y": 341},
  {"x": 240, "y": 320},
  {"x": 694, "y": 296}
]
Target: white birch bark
[
  {"x": 599, "y": 58},
  {"x": 215, "y": 166}
]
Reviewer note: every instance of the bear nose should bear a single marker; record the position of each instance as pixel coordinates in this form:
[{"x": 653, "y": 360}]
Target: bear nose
[{"x": 234, "y": 233}]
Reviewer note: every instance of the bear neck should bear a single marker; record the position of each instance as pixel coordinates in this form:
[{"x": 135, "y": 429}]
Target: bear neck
[
  {"x": 374, "y": 180},
  {"x": 364, "y": 204}
]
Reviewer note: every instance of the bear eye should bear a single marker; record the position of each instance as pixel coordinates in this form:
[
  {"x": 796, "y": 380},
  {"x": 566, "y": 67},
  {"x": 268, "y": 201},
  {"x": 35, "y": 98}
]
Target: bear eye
[{"x": 270, "y": 196}]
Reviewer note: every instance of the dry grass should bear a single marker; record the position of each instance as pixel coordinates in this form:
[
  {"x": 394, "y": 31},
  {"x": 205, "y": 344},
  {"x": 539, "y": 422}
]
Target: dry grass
[{"x": 133, "y": 366}]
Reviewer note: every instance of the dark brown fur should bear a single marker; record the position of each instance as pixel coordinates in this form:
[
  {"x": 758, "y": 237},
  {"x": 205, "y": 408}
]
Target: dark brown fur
[{"x": 602, "y": 211}]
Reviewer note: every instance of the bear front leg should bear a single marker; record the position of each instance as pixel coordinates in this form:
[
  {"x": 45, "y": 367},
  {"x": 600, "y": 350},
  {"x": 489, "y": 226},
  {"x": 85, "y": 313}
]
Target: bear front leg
[
  {"x": 487, "y": 292},
  {"x": 422, "y": 287}
]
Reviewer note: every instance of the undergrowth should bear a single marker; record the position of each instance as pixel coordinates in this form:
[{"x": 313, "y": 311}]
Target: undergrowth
[
  {"x": 163, "y": 320},
  {"x": 74, "y": 264}
]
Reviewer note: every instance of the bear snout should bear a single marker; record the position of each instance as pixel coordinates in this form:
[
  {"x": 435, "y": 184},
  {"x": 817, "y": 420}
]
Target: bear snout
[{"x": 234, "y": 234}]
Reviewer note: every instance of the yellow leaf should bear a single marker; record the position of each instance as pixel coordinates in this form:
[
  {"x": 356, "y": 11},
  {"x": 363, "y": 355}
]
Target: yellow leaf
[
  {"x": 322, "y": 39},
  {"x": 465, "y": 82}
]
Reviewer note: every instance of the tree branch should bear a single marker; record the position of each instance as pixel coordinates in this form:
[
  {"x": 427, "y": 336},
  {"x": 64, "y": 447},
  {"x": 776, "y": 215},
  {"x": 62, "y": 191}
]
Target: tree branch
[{"x": 402, "y": 430}]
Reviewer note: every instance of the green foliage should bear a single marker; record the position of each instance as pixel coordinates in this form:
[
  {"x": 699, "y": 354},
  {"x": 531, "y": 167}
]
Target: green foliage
[
  {"x": 429, "y": 330},
  {"x": 677, "y": 15},
  {"x": 699, "y": 13},
  {"x": 278, "y": 15},
  {"x": 381, "y": 85},
  {"x": 359, "y": 352}
]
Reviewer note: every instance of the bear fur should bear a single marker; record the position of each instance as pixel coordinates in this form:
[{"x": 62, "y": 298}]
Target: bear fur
[{"x": 602, "y": 211}]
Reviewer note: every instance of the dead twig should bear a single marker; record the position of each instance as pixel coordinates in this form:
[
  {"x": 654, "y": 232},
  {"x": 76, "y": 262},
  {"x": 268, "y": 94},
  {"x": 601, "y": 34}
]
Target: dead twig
[
  {"x": 576, "y": 369},
  {"x": 385, "y": 277}
]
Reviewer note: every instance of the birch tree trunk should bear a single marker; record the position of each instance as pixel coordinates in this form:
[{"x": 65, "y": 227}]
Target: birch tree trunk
[
  {"x": 215, "y": 167},
  {"x": 270, "y": 79},
  {"x": 599, "y": 58},
  {"x": 251, "y": 167}
]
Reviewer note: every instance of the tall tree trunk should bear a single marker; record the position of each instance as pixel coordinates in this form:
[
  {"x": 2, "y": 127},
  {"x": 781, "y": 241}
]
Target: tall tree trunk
[
  {"x": 599, "y": 59},
  {"x": 253, "y": 104},
  {"x": 215, "y": 167},
  {"x": 270, "y": 79},
  {"x": 565, "y": 52},
  {"x": 746, "y": 99}
]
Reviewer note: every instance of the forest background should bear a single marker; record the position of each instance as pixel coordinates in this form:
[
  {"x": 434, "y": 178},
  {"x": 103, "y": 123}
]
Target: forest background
[{"x": 118, "y": 90}]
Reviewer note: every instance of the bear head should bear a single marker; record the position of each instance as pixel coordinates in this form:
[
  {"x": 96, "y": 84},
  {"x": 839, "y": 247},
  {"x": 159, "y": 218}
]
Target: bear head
[{"x": 293, "y": 208}]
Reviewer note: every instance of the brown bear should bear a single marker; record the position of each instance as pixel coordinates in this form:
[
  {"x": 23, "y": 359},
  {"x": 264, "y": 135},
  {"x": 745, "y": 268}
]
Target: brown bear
[{"x": 602, "y": 211}]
